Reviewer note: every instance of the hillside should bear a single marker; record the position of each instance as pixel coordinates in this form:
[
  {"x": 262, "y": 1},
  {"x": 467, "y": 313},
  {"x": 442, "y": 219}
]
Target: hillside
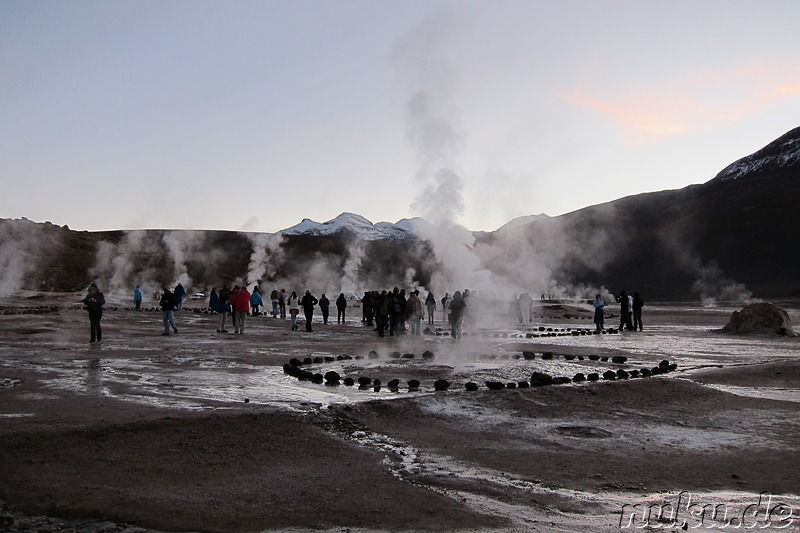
[{"x": 731, "y": 238}]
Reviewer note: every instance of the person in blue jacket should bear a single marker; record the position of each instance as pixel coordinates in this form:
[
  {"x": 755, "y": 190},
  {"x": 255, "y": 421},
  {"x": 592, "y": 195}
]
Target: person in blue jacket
[
  {"x": 255, "y": 301},
  {"x": 137, "y": 298}
]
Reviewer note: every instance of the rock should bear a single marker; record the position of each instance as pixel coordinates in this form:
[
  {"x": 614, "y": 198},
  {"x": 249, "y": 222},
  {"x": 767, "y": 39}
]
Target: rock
[
  {"x": 317, "y": 378},
  {"x": 395, "y": 355},
  {"x": 349, "y": 382},
  {"x": 318, "y": 360},
  {"x": 363, "y": 381},
  {"x": 376, "y": 382},
  {"x": 372, "y": 354},
  {"x": 441, "y": 385},
  {"x": 562, "y": 380},
  {"x": 594, "y": 376},
  {"x": 760, "y": 318},
  {"x": 619, "y": 359},
  {"x": 470, "y": 386},
  {"x": 332, "y": 377},
  {"x": 408, "y": 356},
  {"x": 529, "y": 355},
  {"x": 594, "y": 358},
  {"x": 663, "y": 364},
  {"x": 579, "y": 377},
  {"x": 538, "y": 379},
  {"x": 413, "y": 384},
  {"x": 609, "y": 375},
  {"x": 495, "y": 385},
  {"x": 523, "y": 384},
  {"x": 307, "y": 361},
  {"x": 569, "y": 357},
  {"x": 547, "y": 355},
  {"x": 511, "y": 385},
  {"x": 295, "y": 361},
  {"x": 393, "y": 383},
  {"x": 427, "y": 355},
  {"x": 622, "y": 374}
]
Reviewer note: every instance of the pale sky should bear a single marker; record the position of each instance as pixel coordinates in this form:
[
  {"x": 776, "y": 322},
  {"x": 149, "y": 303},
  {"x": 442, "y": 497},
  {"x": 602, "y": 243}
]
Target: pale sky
[{"x": 252, "y": 115}]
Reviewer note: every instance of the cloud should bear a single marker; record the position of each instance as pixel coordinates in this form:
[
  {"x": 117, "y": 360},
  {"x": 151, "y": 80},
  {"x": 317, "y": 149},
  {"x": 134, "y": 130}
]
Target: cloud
[{"x": 692, "y": 103}]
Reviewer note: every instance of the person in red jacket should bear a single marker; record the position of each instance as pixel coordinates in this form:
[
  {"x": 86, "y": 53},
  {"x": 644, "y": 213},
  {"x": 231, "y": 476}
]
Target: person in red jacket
[{"x": 241, "y": 308}]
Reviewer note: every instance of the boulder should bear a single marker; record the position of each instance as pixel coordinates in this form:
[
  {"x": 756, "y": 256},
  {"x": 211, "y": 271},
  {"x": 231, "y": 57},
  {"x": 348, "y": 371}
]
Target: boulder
[
  {"x": 413, "y": 384},
  {"x": 495, "y": 385},
  {"x": 619, "y": 359},
  {"x": 441, "y": 385},
  {"x": 470, "y": 386},
  {"x": 538, "y": 379},
  {"x": 332, "y": 377},
  {"x": 760, "y": 318}
]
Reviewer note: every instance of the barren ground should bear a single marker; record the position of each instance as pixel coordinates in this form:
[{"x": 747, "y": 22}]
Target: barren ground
[{"x": 204, "y": 432}]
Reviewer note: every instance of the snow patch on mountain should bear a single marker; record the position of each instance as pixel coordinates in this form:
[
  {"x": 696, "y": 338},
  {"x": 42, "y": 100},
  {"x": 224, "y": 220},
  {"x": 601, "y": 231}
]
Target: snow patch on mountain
[
  {"x": 353, "y": 224},
  {"x": 782, "y": 153}
]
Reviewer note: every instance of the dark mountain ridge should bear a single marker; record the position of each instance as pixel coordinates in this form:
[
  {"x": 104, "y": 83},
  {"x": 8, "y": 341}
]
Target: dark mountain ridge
[{"x": 730, "y": 237}]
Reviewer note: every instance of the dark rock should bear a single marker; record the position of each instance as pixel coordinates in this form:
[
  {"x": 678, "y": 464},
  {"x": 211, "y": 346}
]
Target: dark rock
[
  {"x": 529, "y": 355},
  {"x": 364, "y": 380},
  {"x": 395, "y": 355},
  {"x": 538, "y": 379},
  {"x": 317, "y": 378},
  {"x": 332, "y": 377},
  {"x": 495, "y": 385},
  {"x": 622, "y": 374},
  {"x": 594, "y": 376},
  {"x": 408, "y": 356},
  {"x": 349, "y": 382},
  {"x": 372, "y": 354},
  {"x": 760, "y": 318},
  {"x": 511, "y": 385},
  {"x": 427, "y": 355},
  {"x": 413, "y": 384},
  {"x": 295, "y": 361},
  {"x": 393, "y": 383},
  {"x": 619, "y": 359},
  {"x": 569, "y": 357},
  {"x": 562, "y": 380},
  {"x": 547, "y": 355},
  {"x": 441, "y": 385},
  {"x": 664, "y": 364},
  {"x": 609, "y": 375},
  {"x": 579, "y": 377},
  {"x": 470, "y": 386},
  {"x": 523, "y": 384},
  {"x": 594, "y": 358},
  {"x": 307, "y": 361}
]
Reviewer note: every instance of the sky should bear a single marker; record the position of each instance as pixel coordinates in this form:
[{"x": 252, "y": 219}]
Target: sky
[{"x": 253, "y": 115}]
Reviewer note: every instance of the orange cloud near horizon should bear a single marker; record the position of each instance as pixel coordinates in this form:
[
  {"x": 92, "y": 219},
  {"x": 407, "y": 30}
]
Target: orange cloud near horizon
[{"x": 693, "y": 103}]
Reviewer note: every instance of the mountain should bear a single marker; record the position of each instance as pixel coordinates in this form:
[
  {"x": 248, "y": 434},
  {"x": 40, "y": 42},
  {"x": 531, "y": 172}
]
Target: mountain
[
  {"x": 729, "y": 238},
  {"x": 356, "y": 225},
  {"x": 732, "y": 236}
]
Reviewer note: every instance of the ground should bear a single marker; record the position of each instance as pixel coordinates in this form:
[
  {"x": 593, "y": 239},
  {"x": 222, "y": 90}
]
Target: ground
[{"x": 203, "y": 431}]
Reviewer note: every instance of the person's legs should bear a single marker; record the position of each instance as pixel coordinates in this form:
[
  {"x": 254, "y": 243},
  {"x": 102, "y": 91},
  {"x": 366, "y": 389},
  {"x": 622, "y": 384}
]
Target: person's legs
[
  {"x": 165, "y": 320},
  {"x": 309, "y": 316}
]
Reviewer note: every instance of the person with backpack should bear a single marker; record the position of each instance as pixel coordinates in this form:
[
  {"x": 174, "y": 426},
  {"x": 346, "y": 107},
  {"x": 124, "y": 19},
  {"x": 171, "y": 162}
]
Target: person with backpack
[{"x": 94, "y": 302}]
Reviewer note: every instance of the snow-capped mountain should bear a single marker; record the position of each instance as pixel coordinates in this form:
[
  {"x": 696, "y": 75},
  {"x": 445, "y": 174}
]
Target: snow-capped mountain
[
  {"x": 782, "y": 153},
  {"x": 354, "y": 224}
]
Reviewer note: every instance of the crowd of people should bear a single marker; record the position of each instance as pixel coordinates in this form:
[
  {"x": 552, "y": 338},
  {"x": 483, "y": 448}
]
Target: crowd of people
[{"x": 391, "y": 313}]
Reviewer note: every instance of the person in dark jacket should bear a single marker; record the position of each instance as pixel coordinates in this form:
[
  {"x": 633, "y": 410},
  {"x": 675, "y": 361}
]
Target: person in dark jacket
[
  {"x": 168, "y": 310},
  {"x": 368, "y": 308},
  {"x": 223, "y": 304},
  {"x": 324, "y": 306},
  {"x": 638, "y": 303},
  {"x": 179, "y": 293},
  {"x": 308, "y": 302},
  {"x": 624, "y": 315},
  {"x": 458, "y": 307},
  {"x": 212, "y": 300},
  {"x": 341, "y": 307},
  {"x": 94, "y": 303},
  {"x": 430, "y": 306}
]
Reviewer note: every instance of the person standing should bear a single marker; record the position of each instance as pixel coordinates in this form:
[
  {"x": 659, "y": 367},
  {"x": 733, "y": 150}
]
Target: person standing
[
  {"x": 368, "y": 307},
  {"x": 137, "y": 298},
  {"x": 294, "y": 308},
  {"x": 638, "y": 303},
  {"x": 430, "y": 305},
  {"x": 179, "y": 293},
  {"x": 381, "y": 305},
  {"x": 212, "y": 300},
  {"x": 223, "y": 301},
  {"x": 308, "y": 302},
  {"x": 94, "y": 302},
  {"x": 414, "y": 312},
  {"x": 325, "y": 307},
  {"x": 457, "y": 309},
  {"x": 599, "y": 310},
  {"x": 282, "y": 302},
  {"x": 168, "y": 310},
  {"x": 241, "y": 307},
  {"x": 341, "y": 307},
  {"x": 446, "y": 307},
  {"x": 624, "y": 317},
  {"x": 256, "y": 301},
  {"x": 273, "y": 296}
]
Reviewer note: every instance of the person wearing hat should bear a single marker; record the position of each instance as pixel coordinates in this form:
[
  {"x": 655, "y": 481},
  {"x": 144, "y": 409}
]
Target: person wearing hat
[{"x": 94, "y": 303}]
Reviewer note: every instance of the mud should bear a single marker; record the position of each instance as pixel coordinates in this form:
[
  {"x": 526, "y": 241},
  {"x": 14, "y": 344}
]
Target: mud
[{"x": 203, "y": 431}]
